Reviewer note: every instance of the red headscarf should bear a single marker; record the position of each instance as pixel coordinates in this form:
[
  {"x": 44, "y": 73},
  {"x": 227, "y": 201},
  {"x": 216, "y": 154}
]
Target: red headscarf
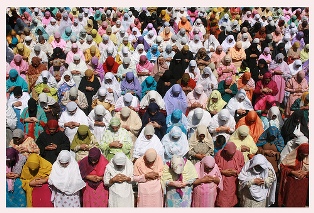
[
  {"x": 110, "y": 65},
  {"x": 52, "y": 124}
]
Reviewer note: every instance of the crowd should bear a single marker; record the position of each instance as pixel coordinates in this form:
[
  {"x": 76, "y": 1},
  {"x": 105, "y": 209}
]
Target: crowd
[{"x": 157, "y": 107}]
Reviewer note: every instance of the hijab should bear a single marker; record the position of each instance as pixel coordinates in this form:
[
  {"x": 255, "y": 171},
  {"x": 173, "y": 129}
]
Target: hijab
[
  {"x": 133, "y": 85},
  {"x": 267, "y": 134},
  {"x": 175, "y": 102},
  {"x": 219, "y": 105}
]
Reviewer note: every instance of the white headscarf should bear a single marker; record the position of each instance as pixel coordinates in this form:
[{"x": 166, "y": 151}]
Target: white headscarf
[
  {"x": 152, "y": 94},
  {"x": 66, "y": 179},
  {"x": 51, "y": 80},
  {"x": 70, "y": 83},
  {"x": 142, "y": 143},
  {"x": 292, "y": 145},
  {"x": 248, "y": 173},
  {"x": 226, "y": 45},
  {"x": 207, "y": 82},
  {"x": 121, "y": 189},
  {"x": 135, "y": 58},
  {"x": 293, "y": 69},
  {"x": 234, "y": 103},
  {"x": 278, "y": 122}
]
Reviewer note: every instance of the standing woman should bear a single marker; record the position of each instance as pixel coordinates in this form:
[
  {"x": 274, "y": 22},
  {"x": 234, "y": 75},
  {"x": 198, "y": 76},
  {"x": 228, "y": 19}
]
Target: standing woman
[
  {"x": 177, "y": 179},
  {"x": 65, "y": 181},
  {"x": 15, "y": 194},
  {"x": 89, "y": 85},
  {"x": 207, "y": 184},
  {"x": 34, "y": 178},
  {"x": 148, "y": 172},
  {"x": 118, "y": 177},
  {"x": 257, "y": 183},
  {"x": 92, "y": 169},
  {"x": 34, "y": 119},
  {"x": 294, "y": 182}
]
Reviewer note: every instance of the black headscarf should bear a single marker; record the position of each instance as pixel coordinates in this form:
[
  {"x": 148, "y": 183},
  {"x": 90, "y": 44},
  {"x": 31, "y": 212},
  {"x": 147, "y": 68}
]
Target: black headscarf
[
  {"x": 17, "y": 91},
  {"x": 166, "y": 77},
  {"x": 158, "y": 117},
  {"x": 32, "y": 107},
  {"x": 279, "y": 49},
  {"x": 290, "y": 125},
  {"x": 177, "y": 68}
]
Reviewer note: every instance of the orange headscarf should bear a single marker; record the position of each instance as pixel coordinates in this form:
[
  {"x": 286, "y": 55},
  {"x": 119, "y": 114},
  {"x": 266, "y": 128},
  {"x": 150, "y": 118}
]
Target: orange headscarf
[
  {"x": 90, "y": 73},
  {"x": 245, "y": 78},
  {"x": 256, "y": 128}
]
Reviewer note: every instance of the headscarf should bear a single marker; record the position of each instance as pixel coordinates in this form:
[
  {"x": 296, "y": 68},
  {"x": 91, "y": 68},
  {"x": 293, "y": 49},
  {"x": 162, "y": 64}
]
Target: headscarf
[
  {"x": 201, "y": 129},
  {"x": 32, "y": 107},
  {"x": 211, "y": 106},
  {"x": 110, "y": 65},
  {"x": 148, "y": 84},
  {"x": 70, "y": 83},
  {"x": 294, "y": 162},
  {"x": 98, "y": 169},
  {"x": 121, "y": 189},
  {"x": 175, "y": 102},
  {"x": 82, "y": 130},
  {"x": 278, "y": 122},
  {"x": 265, "y": 138},
  {"x": 206, "y": 82},
  {"x": 209, "y": 161},
  {"x": 226, "y": 45},
  {"x": 248, "y": 172},
  {"x": 141, "y": 40},
  {"x": 19, "y": 81},
  {"x": 256, "y": 129},
  {"x": 175, "y": 147},
  {"x": 134, "y": 85},
  {"x": 52, "y": 124},
  {"x": 152, "y": 94},
  {"x": 51, "y": 80},
  {"x": 66, "y": 179},
  {"x": 234, "y": 103}
]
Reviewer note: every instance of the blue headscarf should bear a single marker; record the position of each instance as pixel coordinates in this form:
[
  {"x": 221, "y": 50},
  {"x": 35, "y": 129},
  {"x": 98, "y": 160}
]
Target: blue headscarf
[
  {"x": 177, "y": 118},
  {"x": 148, "y": 84},
  {"x": 19, "y": 81},
  {"x": 45, "y": 34},
  {"x": 66, "y": 37},
  {"x": 265, "y": 137},
  {"x": 152, "y": 57}
]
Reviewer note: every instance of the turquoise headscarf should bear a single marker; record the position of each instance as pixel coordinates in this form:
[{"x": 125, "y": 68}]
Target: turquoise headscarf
[
  {"x": 19, "y": 81},
  {"x": 148, "y": 84}
]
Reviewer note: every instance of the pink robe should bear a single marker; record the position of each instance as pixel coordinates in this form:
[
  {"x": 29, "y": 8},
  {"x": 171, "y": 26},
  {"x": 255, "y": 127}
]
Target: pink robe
[
  {"x": 61, "y": 44},
  {"x": 222, "y": 76},
  {"x": 22, "y": 69},
  {"x": 292, "y": 84},
  {"x": 204, "y": 195},
  {"x": 228, "y": 197}
]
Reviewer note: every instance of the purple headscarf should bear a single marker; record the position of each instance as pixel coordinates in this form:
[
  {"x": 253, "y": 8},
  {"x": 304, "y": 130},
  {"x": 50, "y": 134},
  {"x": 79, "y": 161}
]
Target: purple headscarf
[
  {"x": 12, "y": 156},
  {"x": 175, "y": 102},
  {"x": 132, "y": 86},
  {"x": 141, "y": 40},
  {"x": 99, "y": 68}
]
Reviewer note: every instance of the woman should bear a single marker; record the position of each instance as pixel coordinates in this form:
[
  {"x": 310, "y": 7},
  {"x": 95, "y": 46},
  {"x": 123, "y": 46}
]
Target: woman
[
  {"x": 82, "y": 142},
  {"x": 304, "y": 54},
  {"x": 144, "y": 68},
  {"x": 226, "y": 69},
  {"x": 222, "y": 123},
  {"x": 175, "y": 143},
  {"x": 228, "y": 43},
  {"x": 20, "y": 65},
  {"x": 228, "y": 89},
  {"x": 254, "y": 123},
  {"x": 230, "y": 162},
  {"x": 46, "y": 83},
  {"x": 215, "y": 103},
  {"x": 92, "y": 169},
  {"x": 131, "y": 84},
  {"x": 34, "y": 179},
  {"x": 193, "y": 70},
  {"x": 116, "y": 139},
  {"x": 207, "y": 184},
  {"x": 240, "y": 105},
  {"x": 175, "y": 98},
  {"x": 257, "y": 183},
  {"x": 65, "y": 181},
  {"x": 34, "y": 71},
  {"x": 112, "y": 86},
  {"x": 178, "y": 177},
  {"x": 296, "y": 86},
  {"x": 274, "y": 117},
  {"x": 52, "y": 141},
  {"x": 202, "y": 59},
  {"x": 118, "y": 178},
  {"x": 252, "y": 55},
  {"x": 237, "y": 54},
  {"x": 147, "y": 140},
  {"x": 247, "y": 83},
  {"x": 177, "y": 118},
  {"x": 294, "y": 52},
  {"x": 270, "y": 144},
  {"x": 281, "y": 73},
  {"x": 187, "y": 83},
  {"x": 65, "y": 84},
  {"x": 244, "y": 142},
  {"x": 196, "y": 98},
  {"x": 154, "y": 117},
  {"x": 295, "y": 126},
  {"x": 265, "y": 87},
  {"x": 200, "y": 145},
  {"x": 166, "y": 81},
  {"x": 33, "y": 118},
  {"x": 148, "y": 171},
  {"x": 177, "y": 66},
  {"x": 147, "y": 85},
  {"x": 294, "y": 181},
  {"x": 15, "y": 194},
  {"x": 50, "y": 106},
  {"x": 89, "y": 85},
  {"x": 15, "y": 80},
  {"x": 303, "y": 104},
  {"x": 159, "y": 68},
  {"x": 208, "y": 81},
  {"x": 110, "y": 65}
]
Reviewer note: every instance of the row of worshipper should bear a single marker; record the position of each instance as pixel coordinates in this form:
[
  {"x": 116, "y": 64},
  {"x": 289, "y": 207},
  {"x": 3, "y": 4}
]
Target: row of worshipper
[
  {"x": 199, "y": 147},
  {"x": 225, "y": 180}
]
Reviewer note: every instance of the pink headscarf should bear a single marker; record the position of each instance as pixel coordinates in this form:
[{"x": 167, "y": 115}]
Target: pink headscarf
[{"x": 144, "y": 64}]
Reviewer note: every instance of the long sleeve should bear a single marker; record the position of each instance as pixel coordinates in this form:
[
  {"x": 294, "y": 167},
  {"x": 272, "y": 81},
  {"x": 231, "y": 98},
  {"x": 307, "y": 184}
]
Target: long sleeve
[{"x": 11, "y": 119}]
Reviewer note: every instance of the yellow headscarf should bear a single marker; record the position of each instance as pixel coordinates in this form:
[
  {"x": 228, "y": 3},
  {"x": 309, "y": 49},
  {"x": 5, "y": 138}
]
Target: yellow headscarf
[
  {"x": 34, "y": 161},
  {"x": 211, "y": 106},
  {"x": 89, "y": 73}
]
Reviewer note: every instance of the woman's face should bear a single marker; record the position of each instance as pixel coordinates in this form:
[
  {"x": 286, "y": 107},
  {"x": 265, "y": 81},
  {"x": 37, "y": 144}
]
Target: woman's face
[
  {"x": 148, "y": 137},
  {"x": 214, "y": 100},
  {"x": 241, "y": 137},
  {"x": 274, "y": 117},
  {"x": 67, "y": 78},
  {"x": 201, "y": 137},
  {"x": 82, "y": 137}
]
